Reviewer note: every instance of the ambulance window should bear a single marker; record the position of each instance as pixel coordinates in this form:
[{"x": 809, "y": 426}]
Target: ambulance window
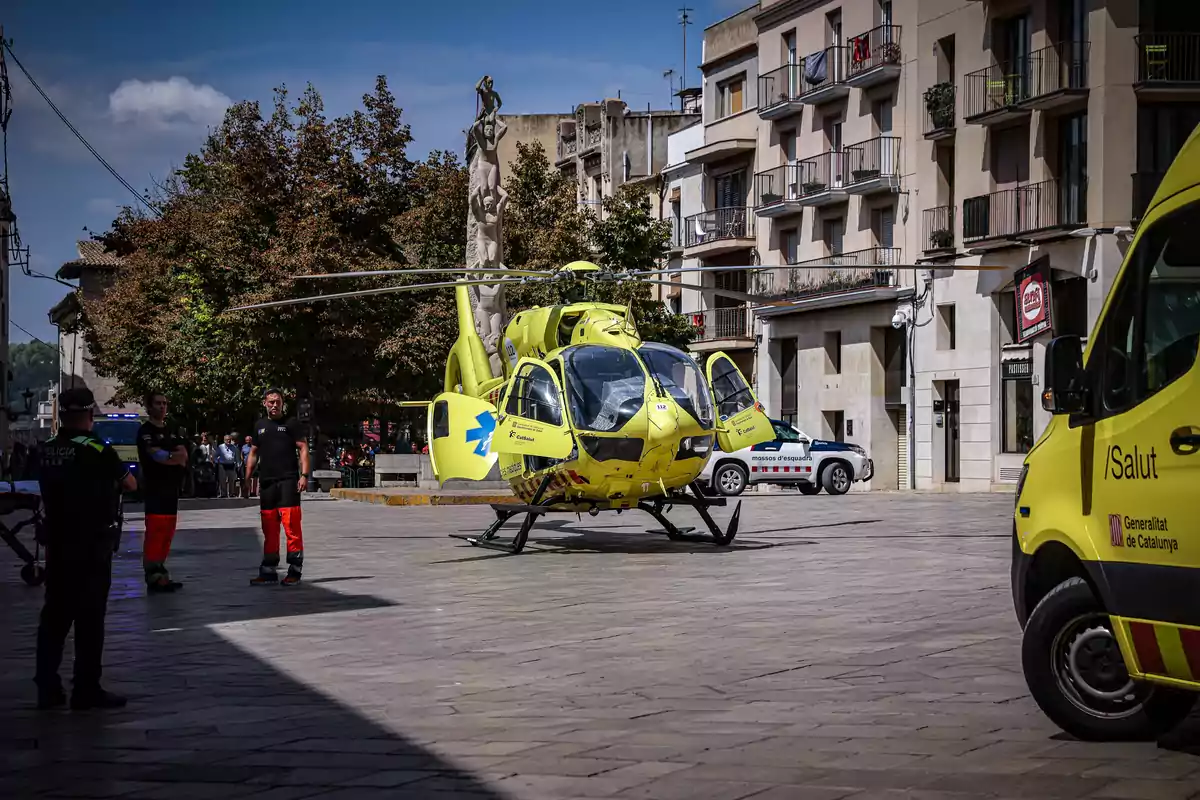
[
  {"x": 534, "y": 396},
  {"x": 1152, "y": 331}
]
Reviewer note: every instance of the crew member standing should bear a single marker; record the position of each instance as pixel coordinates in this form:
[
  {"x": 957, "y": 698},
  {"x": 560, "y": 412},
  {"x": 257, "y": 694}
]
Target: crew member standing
[
  {"x": 163, "y": 458},
  {"x": 81, "y": 482},
  {"x": 280, "y": 452}
]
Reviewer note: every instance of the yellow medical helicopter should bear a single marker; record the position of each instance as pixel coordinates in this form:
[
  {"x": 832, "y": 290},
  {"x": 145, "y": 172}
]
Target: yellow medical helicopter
[{"x": 587, "y": 416}]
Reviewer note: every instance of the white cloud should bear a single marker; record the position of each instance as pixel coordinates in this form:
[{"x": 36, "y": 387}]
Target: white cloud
[{"x": 166, "y": 103}]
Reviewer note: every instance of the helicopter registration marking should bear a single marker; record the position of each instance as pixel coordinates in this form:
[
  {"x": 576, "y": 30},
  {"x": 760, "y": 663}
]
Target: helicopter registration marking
[{"x": 661, "y": 407}]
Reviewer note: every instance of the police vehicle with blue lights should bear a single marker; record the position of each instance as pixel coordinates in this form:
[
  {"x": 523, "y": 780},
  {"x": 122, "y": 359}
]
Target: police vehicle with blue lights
[
  {"x": 790, "y": 459},
  {"x": 120, "y": 430}
]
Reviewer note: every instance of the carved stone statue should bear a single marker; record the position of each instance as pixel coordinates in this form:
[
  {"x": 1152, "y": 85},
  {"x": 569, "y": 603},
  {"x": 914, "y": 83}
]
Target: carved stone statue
[{"x": 485, "y": 223}]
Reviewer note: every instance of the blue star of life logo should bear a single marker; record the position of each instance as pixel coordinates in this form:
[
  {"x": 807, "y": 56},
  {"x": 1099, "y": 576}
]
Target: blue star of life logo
[{"x": 483, "y": 434}]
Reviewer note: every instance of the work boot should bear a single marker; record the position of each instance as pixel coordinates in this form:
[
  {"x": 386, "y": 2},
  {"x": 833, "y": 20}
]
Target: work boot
[
  {"x": 292, "y": 578},
  {"x": 96, "y": 698},
  {"x": 267, "y": 576},
  {"x": 163, "y": 585},
  {"x": 51, "y": 697}
]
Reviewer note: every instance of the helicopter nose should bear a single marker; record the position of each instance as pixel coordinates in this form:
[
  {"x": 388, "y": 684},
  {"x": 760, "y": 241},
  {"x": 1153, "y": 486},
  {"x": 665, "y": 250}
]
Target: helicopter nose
[{"x": 663, "y": 432}]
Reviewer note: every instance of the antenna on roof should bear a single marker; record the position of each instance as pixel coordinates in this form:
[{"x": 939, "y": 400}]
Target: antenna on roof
[
  {"x": 684, "y": 21},
  {"x": 669, "y": 74}
]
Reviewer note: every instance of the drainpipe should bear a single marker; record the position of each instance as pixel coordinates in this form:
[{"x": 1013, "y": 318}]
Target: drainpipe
[{"x": 649, "y": 141}]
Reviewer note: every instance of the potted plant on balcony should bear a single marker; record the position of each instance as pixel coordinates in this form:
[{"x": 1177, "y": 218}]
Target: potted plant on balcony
[
  {"x": 939, "y": 102},
  {"x": 861, "y": 175},
  {"x": 812, "y": 187},
  {"x": 941, "y": 239},
  {"x": 769, "y": 198},
  {"x": 889, "y": 53}
]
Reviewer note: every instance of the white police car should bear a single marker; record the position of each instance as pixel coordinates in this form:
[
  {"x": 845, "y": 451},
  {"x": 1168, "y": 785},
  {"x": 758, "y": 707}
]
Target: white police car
[{"x": 791, "y": 459}]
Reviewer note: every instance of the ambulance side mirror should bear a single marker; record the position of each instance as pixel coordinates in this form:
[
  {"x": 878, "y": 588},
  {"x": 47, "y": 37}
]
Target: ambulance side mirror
[{"x": 1065, "y": 389}]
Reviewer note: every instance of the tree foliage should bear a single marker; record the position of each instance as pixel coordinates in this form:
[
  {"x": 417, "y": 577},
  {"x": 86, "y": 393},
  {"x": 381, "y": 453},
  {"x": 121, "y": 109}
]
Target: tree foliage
[{"x": 34, "y": 366}]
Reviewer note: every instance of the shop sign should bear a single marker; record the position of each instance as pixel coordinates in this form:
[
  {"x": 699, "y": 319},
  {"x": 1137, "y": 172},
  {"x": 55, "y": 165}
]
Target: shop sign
[
  {"x": 1032, "y": 285},
  {"x": 1016, "y": 370}
]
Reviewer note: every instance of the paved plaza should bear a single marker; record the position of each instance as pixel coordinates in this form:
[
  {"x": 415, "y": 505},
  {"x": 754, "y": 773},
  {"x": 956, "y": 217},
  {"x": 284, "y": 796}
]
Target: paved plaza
[{"x": 860, "y": 646}]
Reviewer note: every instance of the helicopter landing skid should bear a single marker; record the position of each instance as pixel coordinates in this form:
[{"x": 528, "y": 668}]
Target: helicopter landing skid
[
  {"x": 504, "y": 513},
  {"x": 698, "y": 501}
]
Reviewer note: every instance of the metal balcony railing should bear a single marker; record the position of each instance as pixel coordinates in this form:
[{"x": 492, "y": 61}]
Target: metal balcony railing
[
  {"x": 1025, "y": 209},
  {"x": 720, "y": 223},
  {"x": 939, "y": 108},
  {"x": 877, "y": 47},
  {"x": 937, "y": 228},
  {"x": 781, "y": 85},
  {"x": 723, "y": 323},
  {"x": 860, "y": 269},
  {"x": 874, "y": 158},
  {"x": 993, "y": 88},
  {"x": 821, "y": 173},
  {"x": 822, "y": 69},
  {"x": 1057, "y": 67},
  {"x": 1168, "y": 58},
  {"x": 1145, "y": 184},
  {"x": 777, "y": 185}
]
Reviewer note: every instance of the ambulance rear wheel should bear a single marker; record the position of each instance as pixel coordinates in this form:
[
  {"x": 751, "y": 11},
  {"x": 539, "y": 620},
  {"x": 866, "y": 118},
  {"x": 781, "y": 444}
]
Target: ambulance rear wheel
[
  {"x": 1075, "y": 672},
  {"x": 730, "y": 479}
]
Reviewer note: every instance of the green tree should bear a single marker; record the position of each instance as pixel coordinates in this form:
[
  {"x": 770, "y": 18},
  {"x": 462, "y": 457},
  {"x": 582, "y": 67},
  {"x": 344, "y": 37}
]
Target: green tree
[
  {"x": 34, "y": 366},
  {"x": 268, "y": 199}
]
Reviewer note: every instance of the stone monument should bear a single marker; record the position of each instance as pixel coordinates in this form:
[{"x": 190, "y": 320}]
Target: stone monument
[{"x": 485, "y": 221}]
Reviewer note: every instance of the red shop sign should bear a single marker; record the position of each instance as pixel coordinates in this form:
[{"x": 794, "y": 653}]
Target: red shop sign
[{"x": 1032, "y": 286}]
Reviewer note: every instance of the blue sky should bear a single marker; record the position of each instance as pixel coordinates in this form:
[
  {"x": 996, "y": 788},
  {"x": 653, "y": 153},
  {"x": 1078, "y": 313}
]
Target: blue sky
[{"x": 143, "y": 81}]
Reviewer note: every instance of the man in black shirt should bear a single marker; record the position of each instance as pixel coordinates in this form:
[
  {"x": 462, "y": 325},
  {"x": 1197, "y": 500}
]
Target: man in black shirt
[
  {"x": 163, "y": 458},
  {"x": 81, "y": 482},
  {"x": 280, "y": 451}
]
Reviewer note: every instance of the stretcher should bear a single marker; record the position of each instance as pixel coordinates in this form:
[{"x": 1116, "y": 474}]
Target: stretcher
[{"x": 23, "y": 499}]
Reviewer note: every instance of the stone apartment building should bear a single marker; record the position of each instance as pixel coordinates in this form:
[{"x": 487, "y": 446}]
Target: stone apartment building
[
  {"x": 842, "y": 137},
  {"x": 95, "y": 269}
]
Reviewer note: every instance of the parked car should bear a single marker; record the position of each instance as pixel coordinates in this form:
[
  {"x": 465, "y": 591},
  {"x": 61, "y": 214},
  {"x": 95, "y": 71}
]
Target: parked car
[{"x": 791, "y": 459}]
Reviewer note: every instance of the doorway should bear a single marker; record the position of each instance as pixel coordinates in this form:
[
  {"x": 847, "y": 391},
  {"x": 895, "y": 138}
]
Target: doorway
[{"x": 952, "y": 436}]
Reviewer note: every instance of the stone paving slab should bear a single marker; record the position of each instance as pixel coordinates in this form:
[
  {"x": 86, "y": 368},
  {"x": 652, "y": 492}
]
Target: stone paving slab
[
  {"x": 426, "y": 497},
  {"x": 853, "y": 647}
]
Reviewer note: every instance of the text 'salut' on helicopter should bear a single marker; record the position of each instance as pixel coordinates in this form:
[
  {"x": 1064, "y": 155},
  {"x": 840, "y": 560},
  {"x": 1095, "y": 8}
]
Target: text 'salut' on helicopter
[{"x": 587, "y": 416}]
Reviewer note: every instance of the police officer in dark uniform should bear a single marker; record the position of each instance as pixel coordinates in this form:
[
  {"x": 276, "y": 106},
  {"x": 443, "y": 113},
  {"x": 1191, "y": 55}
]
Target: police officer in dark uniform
[{"x": 81, "y": 483}]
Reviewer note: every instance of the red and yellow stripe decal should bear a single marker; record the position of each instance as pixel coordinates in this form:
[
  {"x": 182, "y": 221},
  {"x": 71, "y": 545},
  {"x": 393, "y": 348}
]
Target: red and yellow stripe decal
[
  {"x": 561, "y": 480},
  {"x": 1165, "y": 651}
]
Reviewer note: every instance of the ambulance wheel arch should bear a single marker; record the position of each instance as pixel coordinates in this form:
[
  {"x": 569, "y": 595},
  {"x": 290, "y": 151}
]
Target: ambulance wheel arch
[{"x": 1073, "y": 667}]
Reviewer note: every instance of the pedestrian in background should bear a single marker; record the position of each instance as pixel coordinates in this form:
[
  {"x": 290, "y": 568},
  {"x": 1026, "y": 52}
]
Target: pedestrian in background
[
  {"x": 81, "y": 483},
  {"x": 249, "y": 482},
  {"x": 228, "y": 456}
]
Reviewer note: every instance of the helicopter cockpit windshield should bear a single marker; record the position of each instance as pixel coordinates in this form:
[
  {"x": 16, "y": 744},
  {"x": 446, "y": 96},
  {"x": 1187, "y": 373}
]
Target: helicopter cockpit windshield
[
  {"x": 680, "y": 377},
  {"x": 605, "y": 386}
]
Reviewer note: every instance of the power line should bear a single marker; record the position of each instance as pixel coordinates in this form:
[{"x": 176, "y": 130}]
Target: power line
[
  {"x": 78, "y": 135},
  {"x": 27, "y": 333}
]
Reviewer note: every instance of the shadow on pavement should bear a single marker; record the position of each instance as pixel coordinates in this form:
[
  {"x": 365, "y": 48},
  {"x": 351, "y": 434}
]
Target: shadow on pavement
[{"x": 207, "y": 718}]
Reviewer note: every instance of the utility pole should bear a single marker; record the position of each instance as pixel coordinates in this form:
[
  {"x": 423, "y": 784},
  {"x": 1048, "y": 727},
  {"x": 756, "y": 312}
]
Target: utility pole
[{"x": 684, "y": 21}]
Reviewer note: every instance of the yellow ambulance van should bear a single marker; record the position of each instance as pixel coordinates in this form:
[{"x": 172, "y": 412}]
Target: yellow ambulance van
[{"x": 1106, "y": 529}]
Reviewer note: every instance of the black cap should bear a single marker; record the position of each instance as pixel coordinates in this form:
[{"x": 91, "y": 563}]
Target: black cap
[{"x": 80, "y": 399}]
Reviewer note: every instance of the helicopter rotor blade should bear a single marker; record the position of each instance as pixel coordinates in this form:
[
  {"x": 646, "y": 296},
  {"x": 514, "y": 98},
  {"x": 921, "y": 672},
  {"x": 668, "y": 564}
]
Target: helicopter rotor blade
[
  {"x": 819, "y": 265},
  {"x": 416, "y": 287},
  {"x": 369, "y": 273},
  {"x": 756, "y": 299}
]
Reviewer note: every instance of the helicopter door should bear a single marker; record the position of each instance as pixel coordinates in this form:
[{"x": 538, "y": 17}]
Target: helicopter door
[
  {"x": 460, "y": 437},
  {"x": 741, "y": 421},
  {"x": 532, "y": 421}
]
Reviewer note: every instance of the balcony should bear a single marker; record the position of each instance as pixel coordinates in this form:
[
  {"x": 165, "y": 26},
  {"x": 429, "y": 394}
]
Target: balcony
[
  {"x": 777, "y": 191},
  {"x": 724, "y": 324},
  {"x": 1046, "y": 79},
  {"x": 874, "y": 165},
  {"x": 939, "y": 111},
  {"x": 779, "y": 92},
  {"x": 1167, "y": 62},
  {"x": 592, "y": 136},
  {"x": 722, "y": 230},
  {"x": 937, "y": 229},
  {"x": 676, "y": 244},
  {"x": 831, "y": 275},
  {"x": 822, "y": 76},
  {"x": 874, "y": 57},
  {"x": 1026, "y": 213},
  {"x": 822, "y": 179},
  {"x": 1145, "y": 184}
]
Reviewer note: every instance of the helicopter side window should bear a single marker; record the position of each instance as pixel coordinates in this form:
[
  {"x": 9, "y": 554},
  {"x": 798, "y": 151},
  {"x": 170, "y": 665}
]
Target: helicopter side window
[
  {"x": 606, "y": 386},
  {"x": 731, "y": 390},
  {"x": 534, "y": 396}
]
